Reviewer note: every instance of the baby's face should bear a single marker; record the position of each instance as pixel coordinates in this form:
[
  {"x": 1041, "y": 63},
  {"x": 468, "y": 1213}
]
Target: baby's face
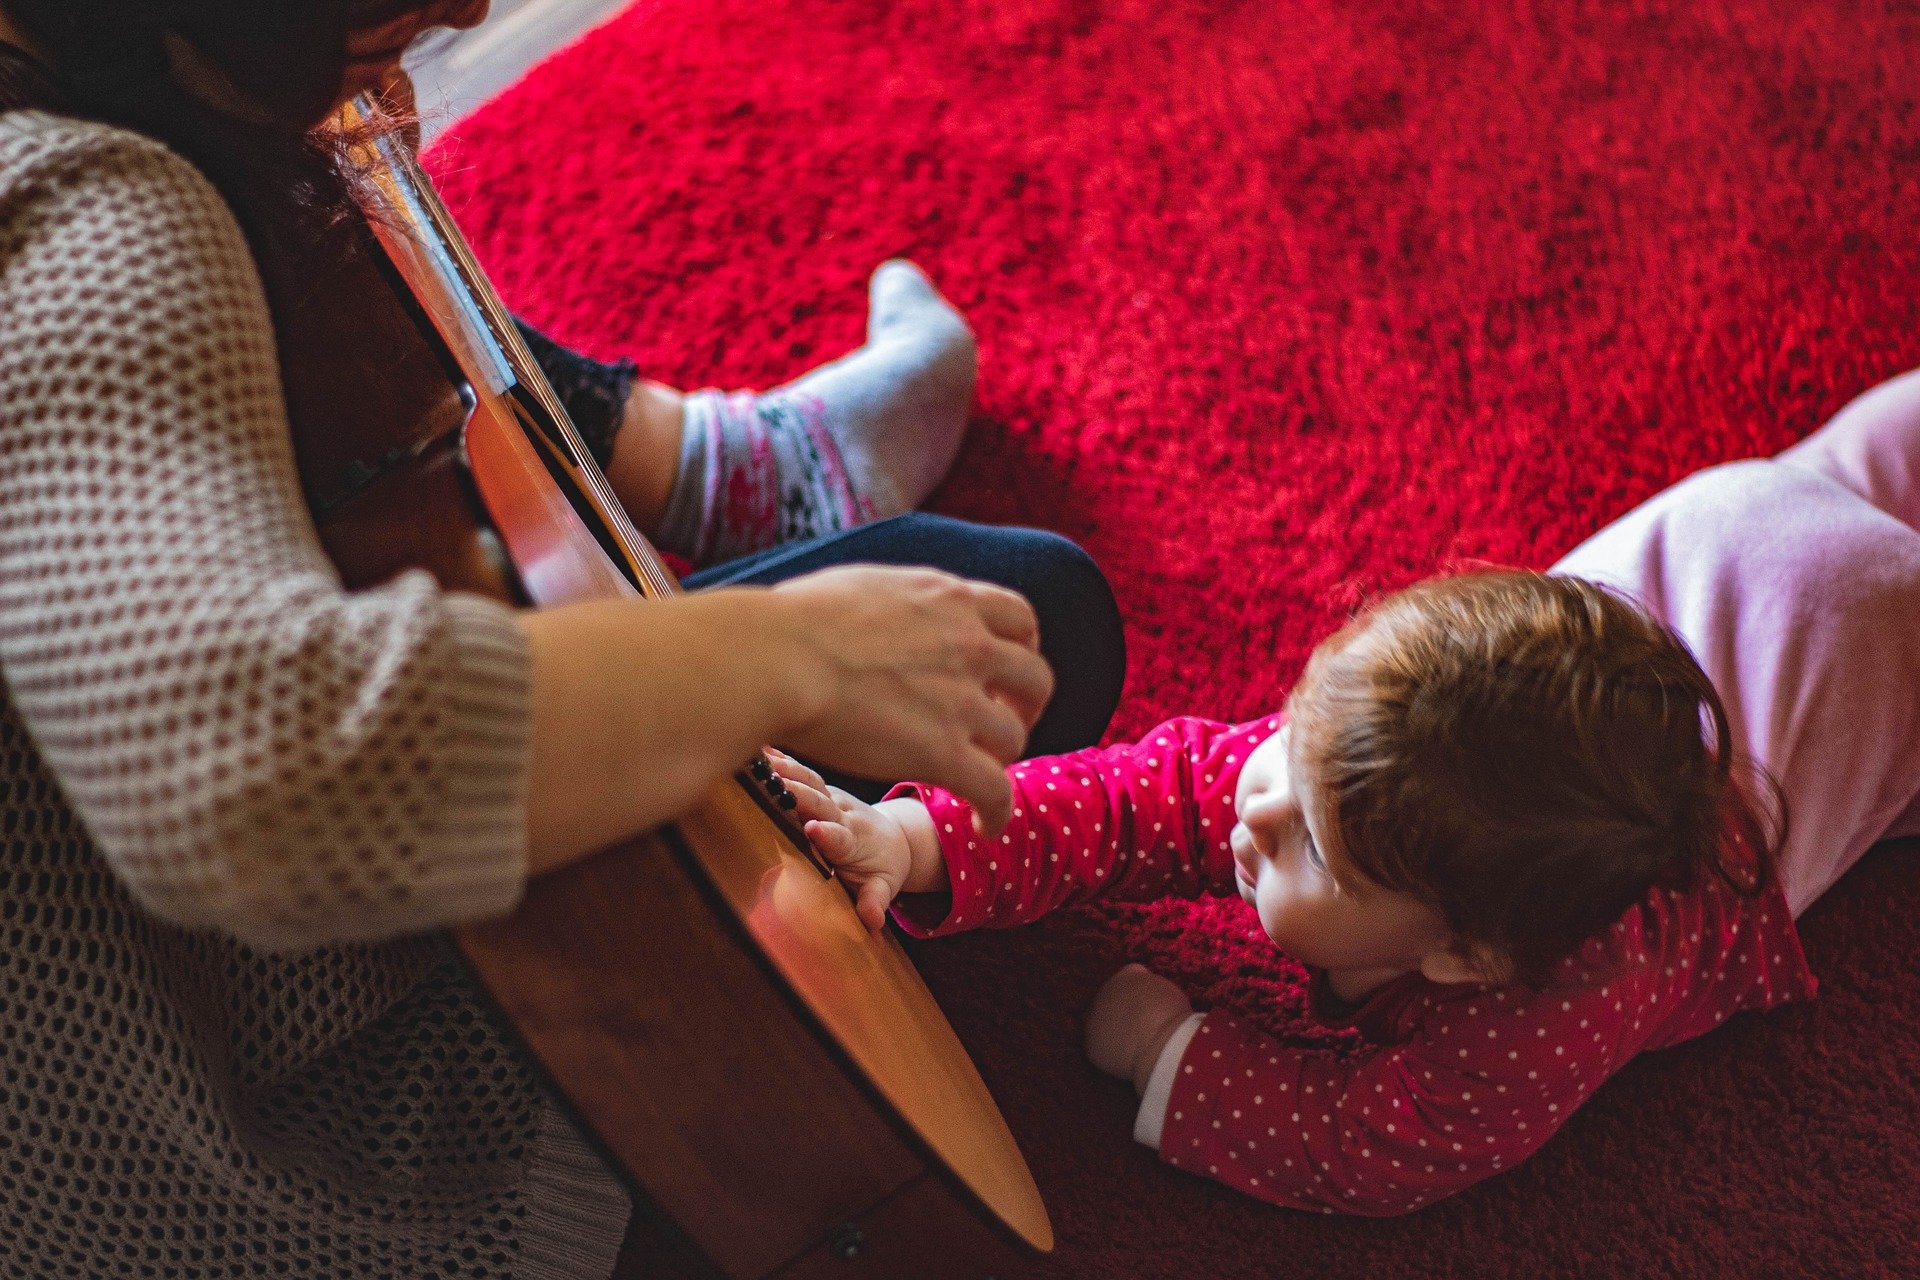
[{"x": 1287, "y": 861}]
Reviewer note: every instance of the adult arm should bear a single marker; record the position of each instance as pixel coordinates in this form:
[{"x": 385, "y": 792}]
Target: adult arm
[
  {"x": 257, "y": 750},
  {"x": 251, "y": 747},
  {"x": 867, "y": 669}
]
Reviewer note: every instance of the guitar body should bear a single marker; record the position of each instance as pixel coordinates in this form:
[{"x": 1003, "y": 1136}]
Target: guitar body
[{"x": 771, "y": 1076}]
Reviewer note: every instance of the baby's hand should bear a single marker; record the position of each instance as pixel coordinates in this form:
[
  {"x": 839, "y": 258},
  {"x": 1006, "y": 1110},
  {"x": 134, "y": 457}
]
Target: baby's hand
[
  {"x": 1132, "y": 1018},
  {"x": 866, "y": 846}
]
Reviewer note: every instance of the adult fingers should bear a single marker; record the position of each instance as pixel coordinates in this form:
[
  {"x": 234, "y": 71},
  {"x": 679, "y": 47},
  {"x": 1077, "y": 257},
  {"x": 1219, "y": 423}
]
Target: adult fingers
[
  {"x": 982, "y": 782},
  {"x": 1008, "y": 614},
  {"x": 1022, "y": 679},
  {"x": 999, "y": 730}
]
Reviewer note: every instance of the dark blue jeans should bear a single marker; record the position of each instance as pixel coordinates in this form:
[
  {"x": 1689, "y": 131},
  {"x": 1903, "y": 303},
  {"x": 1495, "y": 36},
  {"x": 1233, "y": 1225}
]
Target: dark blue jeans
[{"x": 1079, "y": 623}]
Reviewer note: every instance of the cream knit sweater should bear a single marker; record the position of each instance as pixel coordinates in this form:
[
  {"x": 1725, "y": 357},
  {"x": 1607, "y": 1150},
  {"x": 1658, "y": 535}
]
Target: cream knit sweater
[{"x": 237, "y": 798}]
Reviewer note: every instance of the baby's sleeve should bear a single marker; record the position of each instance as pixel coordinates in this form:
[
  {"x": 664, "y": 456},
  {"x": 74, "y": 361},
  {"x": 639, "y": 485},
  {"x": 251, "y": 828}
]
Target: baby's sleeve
[
  {"x": 252, "y": 748},
  {"x": 1142, "y": 820},
  {"x": 1377, "y": 1130}
]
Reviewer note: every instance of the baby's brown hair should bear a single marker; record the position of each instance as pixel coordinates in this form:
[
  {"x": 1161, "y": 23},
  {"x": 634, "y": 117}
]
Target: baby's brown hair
[{"x": 1528, "y": 755}]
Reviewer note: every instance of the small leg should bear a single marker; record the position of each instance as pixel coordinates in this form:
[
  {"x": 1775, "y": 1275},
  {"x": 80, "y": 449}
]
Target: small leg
[
  {"x": 863, "y": 438},
  {"x": 1872, "y": 446},
  {"x": 1799, "y": 601}
]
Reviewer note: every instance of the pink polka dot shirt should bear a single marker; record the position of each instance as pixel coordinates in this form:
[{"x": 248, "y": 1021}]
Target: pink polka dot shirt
[{"x": 1455, "y": 1083}]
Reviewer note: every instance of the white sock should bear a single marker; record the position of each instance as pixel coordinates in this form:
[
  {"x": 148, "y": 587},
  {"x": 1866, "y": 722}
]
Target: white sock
[{"x": 865, "y": 437}]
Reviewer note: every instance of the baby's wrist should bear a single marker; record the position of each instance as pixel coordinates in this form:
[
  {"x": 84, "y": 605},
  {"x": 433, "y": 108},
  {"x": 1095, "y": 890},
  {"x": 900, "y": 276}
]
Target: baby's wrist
[{"x": 926, "y": 864}]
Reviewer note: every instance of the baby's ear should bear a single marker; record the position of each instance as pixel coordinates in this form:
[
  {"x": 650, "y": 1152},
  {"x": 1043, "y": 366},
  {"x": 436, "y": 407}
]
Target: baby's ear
[{"x": 1464, "y": 962}]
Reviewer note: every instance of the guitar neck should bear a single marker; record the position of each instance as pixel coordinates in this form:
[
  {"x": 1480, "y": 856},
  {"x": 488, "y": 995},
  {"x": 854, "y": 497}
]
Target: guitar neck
[{"x": 431, "y": 253}]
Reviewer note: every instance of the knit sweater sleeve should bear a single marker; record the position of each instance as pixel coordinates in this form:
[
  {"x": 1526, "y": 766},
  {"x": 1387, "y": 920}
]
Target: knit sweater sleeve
[{"x": 253, "y": 748}]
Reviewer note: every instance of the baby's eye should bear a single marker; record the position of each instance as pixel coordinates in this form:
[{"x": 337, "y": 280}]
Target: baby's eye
[{"x": 1313, "y": 855}]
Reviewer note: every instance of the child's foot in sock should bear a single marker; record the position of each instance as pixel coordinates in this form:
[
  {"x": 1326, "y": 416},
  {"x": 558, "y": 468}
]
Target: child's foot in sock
[{"x": 863, "y": 438}]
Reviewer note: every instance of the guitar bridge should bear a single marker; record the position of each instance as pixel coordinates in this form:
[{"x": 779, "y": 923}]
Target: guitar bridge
[{"x": 771, "y": 794}]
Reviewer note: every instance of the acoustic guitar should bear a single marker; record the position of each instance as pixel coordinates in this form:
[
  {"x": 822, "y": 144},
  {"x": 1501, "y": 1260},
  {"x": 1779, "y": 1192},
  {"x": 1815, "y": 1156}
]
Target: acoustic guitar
[{"x": 775, "y": 1079}]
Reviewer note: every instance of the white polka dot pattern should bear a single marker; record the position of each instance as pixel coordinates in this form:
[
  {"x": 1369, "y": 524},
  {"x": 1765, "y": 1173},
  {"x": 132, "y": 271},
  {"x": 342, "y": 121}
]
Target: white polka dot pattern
[
  {"x": 231, "y": 788},
  {"x": 1456, "y": 1082},
  {"x": 1136, "y": 821}
]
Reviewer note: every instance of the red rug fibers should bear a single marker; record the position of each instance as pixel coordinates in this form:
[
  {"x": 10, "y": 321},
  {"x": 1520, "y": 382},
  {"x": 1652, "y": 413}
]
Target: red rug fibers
[{"x": 1282, "y": 303}]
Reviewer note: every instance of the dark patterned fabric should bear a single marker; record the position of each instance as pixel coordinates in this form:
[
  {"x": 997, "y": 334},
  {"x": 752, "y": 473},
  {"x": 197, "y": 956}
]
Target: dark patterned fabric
[{"x": 594, "y": 393}]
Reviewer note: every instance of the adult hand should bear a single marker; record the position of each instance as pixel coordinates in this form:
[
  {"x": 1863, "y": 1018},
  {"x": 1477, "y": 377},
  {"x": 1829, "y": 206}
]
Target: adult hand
[{"x": 919, "y": 674}]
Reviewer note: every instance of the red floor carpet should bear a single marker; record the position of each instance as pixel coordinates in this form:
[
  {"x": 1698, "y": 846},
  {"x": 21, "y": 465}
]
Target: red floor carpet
[{"x": 1280, "y": 303}]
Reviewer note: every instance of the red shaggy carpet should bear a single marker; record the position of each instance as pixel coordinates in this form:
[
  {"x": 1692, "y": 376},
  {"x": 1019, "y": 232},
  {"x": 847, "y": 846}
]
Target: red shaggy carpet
[{"x": 1280, "y": 303}]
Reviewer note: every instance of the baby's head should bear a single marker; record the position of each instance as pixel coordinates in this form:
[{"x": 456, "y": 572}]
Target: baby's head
[{"x": 1480, "y": 772}]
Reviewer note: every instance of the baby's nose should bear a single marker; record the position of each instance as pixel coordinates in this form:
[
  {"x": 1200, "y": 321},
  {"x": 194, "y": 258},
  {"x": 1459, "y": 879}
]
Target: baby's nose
[{"x": 1261, "y": 805}]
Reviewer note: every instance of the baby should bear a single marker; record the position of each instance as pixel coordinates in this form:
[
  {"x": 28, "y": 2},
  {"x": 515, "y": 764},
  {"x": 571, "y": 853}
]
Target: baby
[
  {"x": 1515, "y": 829},
  {"x": 1472, "y": 785}
]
